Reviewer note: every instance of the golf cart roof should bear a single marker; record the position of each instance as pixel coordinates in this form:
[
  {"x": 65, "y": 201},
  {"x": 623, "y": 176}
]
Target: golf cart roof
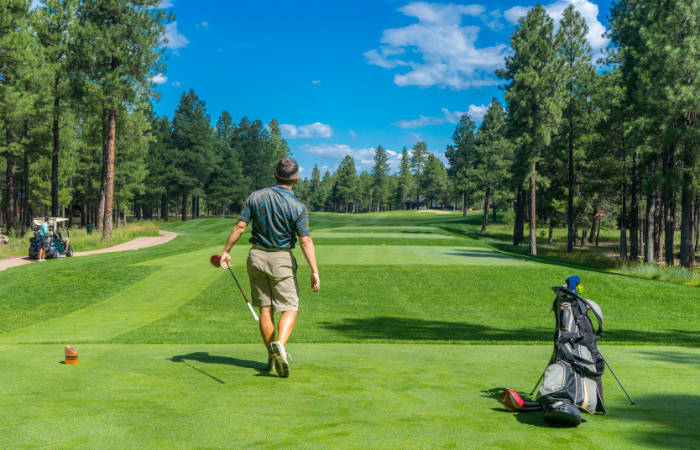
[{"x": 52, "y": 221}]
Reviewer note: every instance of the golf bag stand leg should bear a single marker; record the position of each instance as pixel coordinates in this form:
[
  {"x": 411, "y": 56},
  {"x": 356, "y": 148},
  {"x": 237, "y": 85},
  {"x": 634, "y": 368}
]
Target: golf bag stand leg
[{"x": 617, "y": 379}]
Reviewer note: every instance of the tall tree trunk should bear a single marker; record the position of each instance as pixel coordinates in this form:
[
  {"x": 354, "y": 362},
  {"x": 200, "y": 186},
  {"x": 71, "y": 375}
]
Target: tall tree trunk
[
  {"x": 584, "y": 238},
  {"x": 594, "y": 225},
  {"x": 649, "y": 231},
  {"x": 687, "y": 210},
  {"x": 623, "y": 216},
  {"x": 464, "y": 203},
  {"x": 10, "y": 187},
  {"x": 533, "y": 211},
  {"x": 185, "y": 198},
  {"x": 634, "y": 209},
  {"x": 570, "y": 199},
  {"x": 165, "y": 208},
  {"x": 494, "y": 211},
  {"x": 658, "y": 225},
  {"x": 485, "y": 221},
  {"x": 54, "y": 155},
  {"x": 550, "y": 239},
  {"x": 109, "y": 183},
  {"x": 27, "y": 218},
  {"x": 667, "y": 198},
  {"x": 194, "y": 204},
  {"x": 518, "y": 229}
]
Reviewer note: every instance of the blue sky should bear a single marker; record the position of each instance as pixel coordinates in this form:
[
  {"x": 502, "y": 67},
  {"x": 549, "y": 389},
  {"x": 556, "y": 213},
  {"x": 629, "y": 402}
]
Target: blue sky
[{"x": 343, "y": 77}]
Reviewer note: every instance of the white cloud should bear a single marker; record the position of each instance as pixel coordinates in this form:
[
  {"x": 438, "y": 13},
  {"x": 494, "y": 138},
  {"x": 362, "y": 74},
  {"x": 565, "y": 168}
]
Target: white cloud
[
  {"x": 316, "y": 81},
  {"x": 159, "y": 79},
  {"x": 588, "y": 10},
  {"x": 35, "y": 3},
  {"x": 352, "y": 134},
  {"x": 175, "y": 39},
  {"x": 205, "y": 24},
  {"x": 301, "y": 170},
  {"x": 450, "y": 57},
  {"x": 166, "y": 4},
  {"x": 364, "y": 157},
  {"x": 176, "y": 83},
  {"x": 315, "y": 130},
  {"x": 475, "y": 112}
]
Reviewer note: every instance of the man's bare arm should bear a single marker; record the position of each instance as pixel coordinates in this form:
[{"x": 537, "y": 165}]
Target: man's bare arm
[
  {"x": 307, "y": 247},
  {"x": 236, "y": 233}
]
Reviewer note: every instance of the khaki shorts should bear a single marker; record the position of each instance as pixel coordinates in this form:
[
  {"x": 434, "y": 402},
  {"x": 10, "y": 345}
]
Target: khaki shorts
[{"x": 273, "y": 280}]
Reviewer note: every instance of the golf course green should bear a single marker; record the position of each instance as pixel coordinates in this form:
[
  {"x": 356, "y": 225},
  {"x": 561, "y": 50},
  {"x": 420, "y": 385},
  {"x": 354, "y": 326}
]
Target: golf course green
[{"x": 415, "y": 331}]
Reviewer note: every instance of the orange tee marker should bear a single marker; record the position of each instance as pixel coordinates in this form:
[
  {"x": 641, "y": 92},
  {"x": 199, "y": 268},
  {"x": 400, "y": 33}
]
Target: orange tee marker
[{"x": 71, "y": 355}]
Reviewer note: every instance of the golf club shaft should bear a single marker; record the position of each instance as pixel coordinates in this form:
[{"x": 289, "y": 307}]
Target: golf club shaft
[
  {"x": 243, "y": 294},
  {"x": 538, "y": 383},
  {"x": 618, "y": 380}
]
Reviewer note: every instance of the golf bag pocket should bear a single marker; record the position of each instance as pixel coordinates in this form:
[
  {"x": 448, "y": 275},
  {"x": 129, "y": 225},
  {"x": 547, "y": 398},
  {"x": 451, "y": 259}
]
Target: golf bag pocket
[{"x": 564, "y": 383}]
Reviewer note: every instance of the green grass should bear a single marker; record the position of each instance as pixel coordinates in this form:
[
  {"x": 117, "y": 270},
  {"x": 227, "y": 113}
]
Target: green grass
[
  {"x": 170, "y": 356},
  {"x": 374, "y": 396}
]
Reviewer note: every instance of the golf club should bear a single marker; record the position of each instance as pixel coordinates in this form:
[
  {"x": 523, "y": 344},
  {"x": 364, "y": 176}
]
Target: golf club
[{"x": 216, "y": 262}]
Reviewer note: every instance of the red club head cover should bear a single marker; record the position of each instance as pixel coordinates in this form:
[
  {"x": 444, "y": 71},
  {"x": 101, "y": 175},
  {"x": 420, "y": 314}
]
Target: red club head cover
[
  {"x": 215, "y": 261},
  {"x": 514, "y": 402}
]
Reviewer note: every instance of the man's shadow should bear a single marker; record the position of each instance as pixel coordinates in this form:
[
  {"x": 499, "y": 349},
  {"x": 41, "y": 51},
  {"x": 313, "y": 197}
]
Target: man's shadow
[{"x": 204, "y": 357}]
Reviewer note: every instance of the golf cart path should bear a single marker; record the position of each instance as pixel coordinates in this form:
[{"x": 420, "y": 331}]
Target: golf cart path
[{"x": 136, "y": 244}]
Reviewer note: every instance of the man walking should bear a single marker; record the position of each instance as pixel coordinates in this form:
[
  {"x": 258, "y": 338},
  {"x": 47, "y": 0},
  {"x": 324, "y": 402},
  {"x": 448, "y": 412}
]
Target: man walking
[{"x": 277, "y": 218}]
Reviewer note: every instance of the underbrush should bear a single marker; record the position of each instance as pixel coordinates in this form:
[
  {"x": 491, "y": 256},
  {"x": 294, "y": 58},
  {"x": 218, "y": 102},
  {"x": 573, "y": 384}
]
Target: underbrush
[
  {"x": 82, "y": 241},
  {"x": 679, "y": 275}
]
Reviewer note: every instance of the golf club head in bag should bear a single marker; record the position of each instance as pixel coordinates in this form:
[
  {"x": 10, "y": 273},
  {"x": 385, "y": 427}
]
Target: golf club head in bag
[{"x": 514, "y": 402}]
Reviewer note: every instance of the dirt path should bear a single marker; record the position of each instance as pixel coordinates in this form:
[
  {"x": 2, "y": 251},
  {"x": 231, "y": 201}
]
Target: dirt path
[{"x": 136, "y": 244}]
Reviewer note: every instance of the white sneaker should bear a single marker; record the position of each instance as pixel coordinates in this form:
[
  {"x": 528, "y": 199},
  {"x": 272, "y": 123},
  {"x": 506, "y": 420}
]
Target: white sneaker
[
  {"x": 278, "y": 352},
  {"x": 40, "y": 260}
]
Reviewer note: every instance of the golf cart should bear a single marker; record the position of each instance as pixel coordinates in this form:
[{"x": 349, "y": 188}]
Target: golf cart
[{"x": 56, "y": 242}]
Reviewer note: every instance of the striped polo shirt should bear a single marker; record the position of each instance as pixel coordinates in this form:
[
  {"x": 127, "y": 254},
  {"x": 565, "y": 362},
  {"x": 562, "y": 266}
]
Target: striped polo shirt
[{"x": 277, "y": 217}]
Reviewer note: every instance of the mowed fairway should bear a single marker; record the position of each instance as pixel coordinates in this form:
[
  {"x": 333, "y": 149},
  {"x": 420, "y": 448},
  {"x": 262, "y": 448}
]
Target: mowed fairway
[{"x": 170, "y": 356}]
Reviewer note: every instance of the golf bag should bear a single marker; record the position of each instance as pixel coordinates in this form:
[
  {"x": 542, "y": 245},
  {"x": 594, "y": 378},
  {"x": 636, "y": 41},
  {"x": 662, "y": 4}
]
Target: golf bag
[{"x": 571, "y": 382}]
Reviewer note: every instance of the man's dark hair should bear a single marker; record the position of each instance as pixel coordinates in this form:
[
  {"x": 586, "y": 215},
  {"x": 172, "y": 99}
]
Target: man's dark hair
[{"x": 286, "y": 169}]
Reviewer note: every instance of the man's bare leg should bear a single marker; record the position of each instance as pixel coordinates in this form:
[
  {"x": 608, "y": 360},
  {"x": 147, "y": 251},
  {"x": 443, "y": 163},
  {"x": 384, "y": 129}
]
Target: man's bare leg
[
  {"x": 286, "y": 325},
  {"x": 267, "y": 325}
]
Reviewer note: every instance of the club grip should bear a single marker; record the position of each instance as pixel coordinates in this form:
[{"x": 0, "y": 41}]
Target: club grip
[{"x": 253, "y": 311}]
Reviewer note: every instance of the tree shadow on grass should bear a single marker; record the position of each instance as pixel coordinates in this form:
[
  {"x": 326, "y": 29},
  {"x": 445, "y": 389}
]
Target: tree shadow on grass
[
  {"x": 673, "y": 357},
  {"x": 206, "y": 358},
  {"x": 406, "y": 329},
  {"x": 470, "y": 253}
]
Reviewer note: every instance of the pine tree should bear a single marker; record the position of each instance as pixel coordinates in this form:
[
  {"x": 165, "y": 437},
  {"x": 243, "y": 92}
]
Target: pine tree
[
  {"x": 280, "y": 148},
  {"x": 419, "y": 157},
  {"x": 460, "y": 156},
  {"x": 405, "y": 182},
  {"x": 226, "y": 185},
  {"x": 316, "y": 202},
  {"x": 575, "y": 52},
  {"x": 492, "y": 156},
  {"x": 194, "y": 139},
  {"x": 115, "y": 53},
  {"x": 346, "y": 182},
  {"x": 54, "y": 23},
  {"x": 435, "y": 185},
  {"x": 533, "y": 78},
  {"x": 380, "y": 175}
]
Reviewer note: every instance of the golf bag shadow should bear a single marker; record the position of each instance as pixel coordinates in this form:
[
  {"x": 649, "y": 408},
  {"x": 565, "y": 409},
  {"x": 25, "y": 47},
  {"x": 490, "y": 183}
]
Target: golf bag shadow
[{"x": 571, "y": 382}]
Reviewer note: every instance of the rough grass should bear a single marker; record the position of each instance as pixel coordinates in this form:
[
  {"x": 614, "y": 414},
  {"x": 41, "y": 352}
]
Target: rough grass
[{"x": 82, "y": 241}]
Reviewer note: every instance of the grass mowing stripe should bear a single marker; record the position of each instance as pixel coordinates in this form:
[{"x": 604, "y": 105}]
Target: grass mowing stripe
[
  {"x": 372, "y": 255},
  {"x": 374, "y": 396},
  {"x": 381, "y": 235},
  {"x": 179, "y": 279}
]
